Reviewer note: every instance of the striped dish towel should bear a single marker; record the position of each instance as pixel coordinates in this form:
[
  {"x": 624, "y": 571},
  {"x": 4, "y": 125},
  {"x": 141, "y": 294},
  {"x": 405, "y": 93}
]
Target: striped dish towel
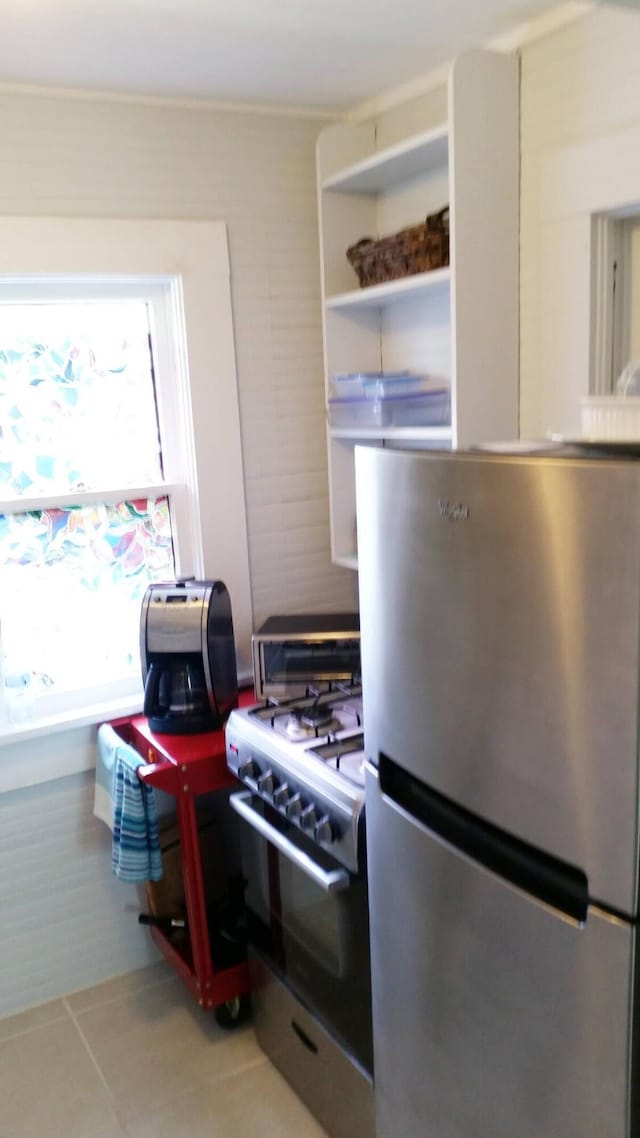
[
  {"x": 109, "y": 743},
  {"x": 132, "y": 815}
]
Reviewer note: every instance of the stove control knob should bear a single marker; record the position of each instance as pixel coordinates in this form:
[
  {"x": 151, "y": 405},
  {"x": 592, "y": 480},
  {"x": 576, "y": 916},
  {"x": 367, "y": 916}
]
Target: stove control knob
[
  {"x": 324, "y": 831},
  {"x": 309, "y": 817},
  {"x": 266, "y": 784},
  {"x": 294, "y": 807},
  {"x": 248, "y": 769},
  {"x": 282, "y": 795}
]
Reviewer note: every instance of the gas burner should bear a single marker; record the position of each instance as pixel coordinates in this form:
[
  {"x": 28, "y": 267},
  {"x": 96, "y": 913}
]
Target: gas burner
[
  {"x": 345, "y": 756},
  {"x": 306, "y": 722}
]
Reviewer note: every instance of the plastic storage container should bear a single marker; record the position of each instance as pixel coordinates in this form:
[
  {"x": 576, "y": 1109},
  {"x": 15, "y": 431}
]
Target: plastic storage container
[
  {"x": 359, "y": 412},
  {"x": 373, "y": 383},
  {"x": 420, "y": 407}
]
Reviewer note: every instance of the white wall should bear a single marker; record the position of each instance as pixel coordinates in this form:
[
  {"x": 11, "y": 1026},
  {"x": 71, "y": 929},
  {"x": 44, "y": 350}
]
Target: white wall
[
  {"x": 256, "y": 172},
  {"x": 580, "y": 135},
  {"x": 64, "y": 921}
]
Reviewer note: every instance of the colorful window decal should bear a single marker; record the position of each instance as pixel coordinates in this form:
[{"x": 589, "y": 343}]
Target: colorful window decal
[
  {"x": 78, "y": 415},
  {"x": 71, "y": 586},
  {"x": 77, "y": 399}
]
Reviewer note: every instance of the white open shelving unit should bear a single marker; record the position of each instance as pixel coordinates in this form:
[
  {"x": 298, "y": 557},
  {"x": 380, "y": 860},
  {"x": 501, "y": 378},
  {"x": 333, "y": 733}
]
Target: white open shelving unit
[{"x": 458, "y": 145}]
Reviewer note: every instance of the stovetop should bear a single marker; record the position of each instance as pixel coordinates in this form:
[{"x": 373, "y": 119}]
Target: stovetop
[
  {"x": 326, "y": 725},
  {"x": 305, "y": 758}
]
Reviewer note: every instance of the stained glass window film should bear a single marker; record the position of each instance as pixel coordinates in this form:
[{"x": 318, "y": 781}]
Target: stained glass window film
[
  {"x": 77, "y": 399},
  {"x": 78, "y": 415}
]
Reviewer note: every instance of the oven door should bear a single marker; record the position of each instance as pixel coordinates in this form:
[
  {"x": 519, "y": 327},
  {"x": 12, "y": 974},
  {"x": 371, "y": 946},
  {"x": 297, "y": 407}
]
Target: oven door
[{"x": 308, "y": 919}]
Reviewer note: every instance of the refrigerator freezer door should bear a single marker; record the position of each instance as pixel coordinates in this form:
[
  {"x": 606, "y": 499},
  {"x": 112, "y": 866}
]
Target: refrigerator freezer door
[
  {"x": 494, "y": 1017},
  {"x": 499, "y": 602}
]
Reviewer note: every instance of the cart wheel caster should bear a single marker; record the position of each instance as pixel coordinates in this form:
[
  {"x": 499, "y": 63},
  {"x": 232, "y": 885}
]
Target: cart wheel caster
[{"x": 233, "y": 1012}]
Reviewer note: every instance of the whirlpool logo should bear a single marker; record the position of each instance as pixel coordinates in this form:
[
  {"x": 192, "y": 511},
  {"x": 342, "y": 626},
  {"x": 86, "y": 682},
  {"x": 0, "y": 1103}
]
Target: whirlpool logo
[{"x": 453, "y": 511}]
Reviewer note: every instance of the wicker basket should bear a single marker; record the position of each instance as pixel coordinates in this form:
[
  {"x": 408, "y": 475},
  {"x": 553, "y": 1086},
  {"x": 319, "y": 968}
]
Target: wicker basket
[{"x": 413, "y": 250}]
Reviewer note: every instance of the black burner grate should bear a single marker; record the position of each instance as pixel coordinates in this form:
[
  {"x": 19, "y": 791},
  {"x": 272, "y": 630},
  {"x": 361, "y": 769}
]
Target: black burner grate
[{"x": 315, "y": 710}]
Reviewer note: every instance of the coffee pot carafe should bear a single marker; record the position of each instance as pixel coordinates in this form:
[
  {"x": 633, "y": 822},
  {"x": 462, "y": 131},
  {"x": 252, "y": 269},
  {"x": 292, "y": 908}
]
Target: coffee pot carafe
[
  {"x": 187, "y": 652},
  {"x": 177, "y": 688}
]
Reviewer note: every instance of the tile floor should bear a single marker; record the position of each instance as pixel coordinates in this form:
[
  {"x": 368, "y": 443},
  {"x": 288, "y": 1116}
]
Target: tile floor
[{"x": 136, "y": 1058}]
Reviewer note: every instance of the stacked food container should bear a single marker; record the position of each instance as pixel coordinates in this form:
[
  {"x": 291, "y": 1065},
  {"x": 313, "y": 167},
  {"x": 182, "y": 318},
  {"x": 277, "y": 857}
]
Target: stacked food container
[{"x": 388, "y": 399}]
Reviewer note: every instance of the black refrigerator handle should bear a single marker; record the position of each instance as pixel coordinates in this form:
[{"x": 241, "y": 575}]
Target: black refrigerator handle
[{"x": 547, "y": 878}]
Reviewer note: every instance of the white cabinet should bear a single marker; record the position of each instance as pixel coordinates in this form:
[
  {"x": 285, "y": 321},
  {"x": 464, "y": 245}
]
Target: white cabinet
[{"x": 458, "y": 145}]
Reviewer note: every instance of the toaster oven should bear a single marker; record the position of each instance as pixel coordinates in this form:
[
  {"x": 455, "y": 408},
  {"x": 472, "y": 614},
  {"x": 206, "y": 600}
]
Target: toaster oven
[{"x": 292, "y": 653}]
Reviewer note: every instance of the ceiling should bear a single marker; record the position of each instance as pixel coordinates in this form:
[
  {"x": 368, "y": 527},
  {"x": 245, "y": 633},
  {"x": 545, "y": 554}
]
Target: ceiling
[{"x": 319, "y": 54}]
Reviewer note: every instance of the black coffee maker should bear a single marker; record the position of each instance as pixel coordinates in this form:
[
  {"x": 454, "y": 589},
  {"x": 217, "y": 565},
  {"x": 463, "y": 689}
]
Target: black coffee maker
[{"x": 188, "y": 657}]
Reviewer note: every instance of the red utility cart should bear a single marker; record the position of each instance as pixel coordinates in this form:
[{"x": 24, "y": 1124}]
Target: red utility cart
[{"x": 186, "y": 766}]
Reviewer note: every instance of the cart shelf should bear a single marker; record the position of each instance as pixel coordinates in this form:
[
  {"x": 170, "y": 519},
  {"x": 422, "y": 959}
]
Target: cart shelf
[{"x": 186, "y": 766}]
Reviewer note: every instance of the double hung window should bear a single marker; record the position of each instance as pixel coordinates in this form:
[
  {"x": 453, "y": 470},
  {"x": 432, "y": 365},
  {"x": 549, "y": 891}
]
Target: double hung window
[
  {"x": 120, "y": 463},
  {"x": 90, "y": 503}
]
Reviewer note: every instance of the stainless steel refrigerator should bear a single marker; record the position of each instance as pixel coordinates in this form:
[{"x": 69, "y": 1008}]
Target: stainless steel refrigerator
[{"x": 500, "y": 637}]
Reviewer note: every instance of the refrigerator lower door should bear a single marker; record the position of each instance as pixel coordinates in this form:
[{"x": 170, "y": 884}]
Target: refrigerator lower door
[{"x": 494, "y": 1015}]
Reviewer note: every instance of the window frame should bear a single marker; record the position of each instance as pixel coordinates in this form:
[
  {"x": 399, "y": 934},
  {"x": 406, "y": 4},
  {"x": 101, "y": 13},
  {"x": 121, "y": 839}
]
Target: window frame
[
  {"x": 175, "y": 441},
  {"x": 197, "y": 402}
]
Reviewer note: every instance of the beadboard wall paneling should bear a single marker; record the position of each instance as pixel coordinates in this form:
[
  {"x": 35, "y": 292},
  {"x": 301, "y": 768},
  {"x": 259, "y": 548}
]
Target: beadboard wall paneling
[
  {"x": 65, "y": 918},
  {"x": 634, "y": 300},
  {"x": 579, "y": 85},
  {"x": 66, "y": 921},
  {"x": 77, "y": 157}
]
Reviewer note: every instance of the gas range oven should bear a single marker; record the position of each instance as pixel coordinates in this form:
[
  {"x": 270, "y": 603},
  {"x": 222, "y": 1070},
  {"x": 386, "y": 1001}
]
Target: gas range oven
[
  {"x": 301, "y": 761},
  {"x": 305, "y": 757}
]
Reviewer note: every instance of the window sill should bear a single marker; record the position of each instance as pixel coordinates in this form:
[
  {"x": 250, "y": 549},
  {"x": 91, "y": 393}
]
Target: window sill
[
  {"x": 55, "y": 746},
  {"x": 38, "y": 726},
  {"x": 58, "y": 745}
]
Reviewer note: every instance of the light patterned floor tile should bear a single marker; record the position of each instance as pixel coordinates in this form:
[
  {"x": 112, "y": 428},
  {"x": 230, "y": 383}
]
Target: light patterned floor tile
[
  {"x": 156, "y": 1043},
  {"x": 136, "y": 1058},
  {"x": 120, "y": 986},
  {"x": 49, "y": 1087},
  {"x": 33, "y": 1018},
  {"x": 259, "y": 1106}
]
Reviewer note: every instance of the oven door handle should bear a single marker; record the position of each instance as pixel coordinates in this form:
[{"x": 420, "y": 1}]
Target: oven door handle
[{"x": 331, "y": 881}]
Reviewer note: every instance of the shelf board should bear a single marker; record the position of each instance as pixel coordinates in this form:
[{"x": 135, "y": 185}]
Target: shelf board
[
  {"x": 394, "y": 434},
  {"x": 379, "y": 296},
  {"x": 380, "y": 171}
]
